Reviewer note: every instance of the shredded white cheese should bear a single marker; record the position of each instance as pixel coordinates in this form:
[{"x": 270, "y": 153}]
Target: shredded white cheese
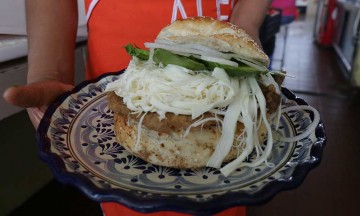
[{"x": 149, "y": 88}]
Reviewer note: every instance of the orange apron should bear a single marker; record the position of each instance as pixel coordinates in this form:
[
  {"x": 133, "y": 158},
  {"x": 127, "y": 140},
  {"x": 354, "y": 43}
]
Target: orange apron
[{"x": 114, "y": 23}]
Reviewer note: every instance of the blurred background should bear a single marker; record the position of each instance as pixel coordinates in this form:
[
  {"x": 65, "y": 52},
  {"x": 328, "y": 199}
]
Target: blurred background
[{"x": 316, "y": 41}]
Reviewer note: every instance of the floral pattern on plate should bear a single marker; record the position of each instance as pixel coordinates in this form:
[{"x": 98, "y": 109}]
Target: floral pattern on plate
[{"x": 77, "y": 140}]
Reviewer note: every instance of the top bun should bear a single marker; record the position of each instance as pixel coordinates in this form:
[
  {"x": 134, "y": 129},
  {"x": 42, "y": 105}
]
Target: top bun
[{"x": 219, "y": 35}]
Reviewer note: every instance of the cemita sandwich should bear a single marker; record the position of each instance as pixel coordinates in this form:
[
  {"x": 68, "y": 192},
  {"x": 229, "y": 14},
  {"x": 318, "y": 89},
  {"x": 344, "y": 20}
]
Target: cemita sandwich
[{"x": 200, "y": 95}]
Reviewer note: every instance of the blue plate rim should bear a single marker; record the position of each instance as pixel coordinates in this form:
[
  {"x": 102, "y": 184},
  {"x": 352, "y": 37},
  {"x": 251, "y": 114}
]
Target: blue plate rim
[{"x": 154, "y": 203}]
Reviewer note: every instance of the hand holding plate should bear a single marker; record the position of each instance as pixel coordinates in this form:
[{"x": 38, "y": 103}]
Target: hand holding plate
[{"x": 36, "y": 97}]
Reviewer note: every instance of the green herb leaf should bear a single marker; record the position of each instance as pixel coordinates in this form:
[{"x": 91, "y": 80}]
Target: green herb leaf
[
  {"x": 134, "y": 51},
  {"x": 166, "y": 57},
  {"x": 243, "y": 70}
]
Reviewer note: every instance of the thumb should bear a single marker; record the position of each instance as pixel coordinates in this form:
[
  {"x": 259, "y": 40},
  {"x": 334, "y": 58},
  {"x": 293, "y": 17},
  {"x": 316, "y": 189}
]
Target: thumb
[{"x": 36, "y": 94}]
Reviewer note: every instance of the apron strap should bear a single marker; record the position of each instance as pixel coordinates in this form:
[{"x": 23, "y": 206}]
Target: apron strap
[{"x": 91, "y": 8}]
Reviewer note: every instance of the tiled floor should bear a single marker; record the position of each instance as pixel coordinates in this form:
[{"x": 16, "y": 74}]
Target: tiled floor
[{"x": 331, "y": 189}]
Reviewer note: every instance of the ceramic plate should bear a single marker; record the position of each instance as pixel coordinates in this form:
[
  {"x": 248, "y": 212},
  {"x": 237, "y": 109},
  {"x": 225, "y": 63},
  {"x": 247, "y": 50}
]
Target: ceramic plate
[{"x": 77, "y": 141}]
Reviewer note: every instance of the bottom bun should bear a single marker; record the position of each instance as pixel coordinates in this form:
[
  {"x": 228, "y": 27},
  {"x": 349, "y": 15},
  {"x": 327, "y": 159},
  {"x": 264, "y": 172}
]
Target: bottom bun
[{"x": 171, "y": 149}]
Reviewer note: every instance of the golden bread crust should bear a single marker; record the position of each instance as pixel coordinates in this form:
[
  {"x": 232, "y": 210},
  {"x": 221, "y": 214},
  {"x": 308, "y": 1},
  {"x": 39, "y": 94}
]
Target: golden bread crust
[
  {"x": 219, "y": 35},
  {"x": 170, "y": 150}
]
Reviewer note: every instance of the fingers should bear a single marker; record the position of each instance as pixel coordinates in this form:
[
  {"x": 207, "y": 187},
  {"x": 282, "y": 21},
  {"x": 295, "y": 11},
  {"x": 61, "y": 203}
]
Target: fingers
[
  {"x": 35, "y": 94},
  {"x": 36, "y": 97}
]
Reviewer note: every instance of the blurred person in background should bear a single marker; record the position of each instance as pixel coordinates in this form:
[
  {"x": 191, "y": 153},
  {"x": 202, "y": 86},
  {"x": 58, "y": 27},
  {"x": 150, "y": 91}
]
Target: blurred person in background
[{"x": 289, "y": 11}]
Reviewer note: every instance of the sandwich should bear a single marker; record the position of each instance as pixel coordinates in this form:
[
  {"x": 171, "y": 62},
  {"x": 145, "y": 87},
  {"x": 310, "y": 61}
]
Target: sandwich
[{"x": 200, "y": 95}]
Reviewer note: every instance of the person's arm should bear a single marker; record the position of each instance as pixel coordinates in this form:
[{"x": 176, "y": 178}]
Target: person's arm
[
  {"x": 249, "y": 15},
  {"x": 51, "y": 30}
]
